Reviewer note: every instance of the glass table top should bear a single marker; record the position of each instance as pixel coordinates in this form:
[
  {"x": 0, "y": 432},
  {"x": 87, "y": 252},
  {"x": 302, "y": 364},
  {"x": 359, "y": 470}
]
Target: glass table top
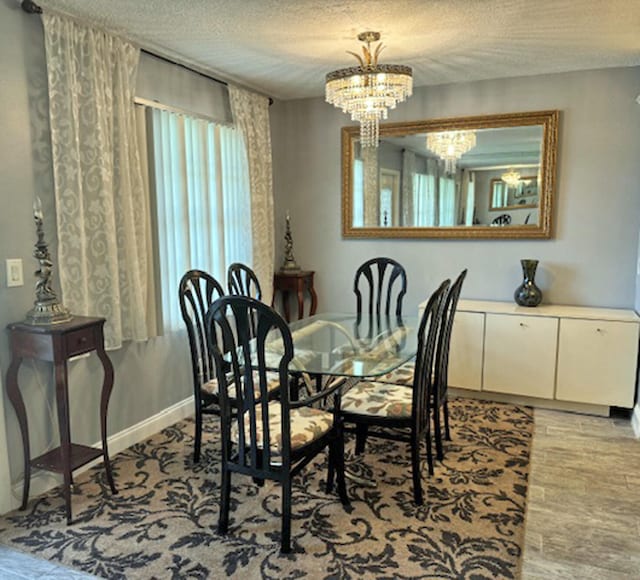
[{"x": 343, "y": 345}]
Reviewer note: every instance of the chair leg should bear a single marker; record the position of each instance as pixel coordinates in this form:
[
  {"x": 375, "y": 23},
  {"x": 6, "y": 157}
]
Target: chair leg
[
  {"x": 333, "y": 455},
  {"x": 258, "y": 480},
  {"x": 438, "y": 432},
  {"x": 342, "y": 487},
  {"x": 225, "y": 493},
  {"x": 447, "y": 433},
  {"x": 198, "y": 433},
  {"x": 285, "y": 541},
  {"x": 429, "y": 452},
  {"x": 361, "y": 438},
  {"x": 415, "y": 469}
]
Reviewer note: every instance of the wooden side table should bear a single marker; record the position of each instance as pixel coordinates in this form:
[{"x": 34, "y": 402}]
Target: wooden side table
[
  {"x": 298, "y": 282},
  {"x": 56, "y": 343}
]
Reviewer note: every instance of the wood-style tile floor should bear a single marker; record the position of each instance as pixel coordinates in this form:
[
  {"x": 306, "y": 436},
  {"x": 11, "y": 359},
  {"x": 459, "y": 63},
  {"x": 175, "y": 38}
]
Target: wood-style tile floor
[{"x": 583, "y": 518}]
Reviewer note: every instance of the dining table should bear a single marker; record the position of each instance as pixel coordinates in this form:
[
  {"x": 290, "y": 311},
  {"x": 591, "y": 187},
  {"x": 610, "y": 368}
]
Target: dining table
[{"x": 350, "y": 346}]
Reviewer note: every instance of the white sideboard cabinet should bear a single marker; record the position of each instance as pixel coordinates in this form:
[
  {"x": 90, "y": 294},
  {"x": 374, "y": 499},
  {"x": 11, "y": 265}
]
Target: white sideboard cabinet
[{"x": 562, "y": 354}]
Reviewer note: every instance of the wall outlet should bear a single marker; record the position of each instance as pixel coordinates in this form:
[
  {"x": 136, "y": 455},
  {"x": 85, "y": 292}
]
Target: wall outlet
[{"x": 14, "y": 272}]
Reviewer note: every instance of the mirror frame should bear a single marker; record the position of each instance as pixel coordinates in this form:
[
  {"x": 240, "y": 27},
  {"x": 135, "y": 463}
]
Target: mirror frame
[{"x": 543, "y": 229}]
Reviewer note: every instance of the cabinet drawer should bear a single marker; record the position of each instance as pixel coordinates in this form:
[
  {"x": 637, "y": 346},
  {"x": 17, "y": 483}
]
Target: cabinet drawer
[
  {"x": 465, "y": 357},
  {"x": 80, "y": 341},
  {"x": 597, "y": 362},
  {"x": 520, "y": 355}
]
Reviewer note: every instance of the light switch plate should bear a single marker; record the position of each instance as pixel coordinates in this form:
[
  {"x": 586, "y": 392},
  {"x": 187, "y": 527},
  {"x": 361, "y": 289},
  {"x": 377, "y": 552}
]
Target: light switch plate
[{"x": 14, "y": 272}]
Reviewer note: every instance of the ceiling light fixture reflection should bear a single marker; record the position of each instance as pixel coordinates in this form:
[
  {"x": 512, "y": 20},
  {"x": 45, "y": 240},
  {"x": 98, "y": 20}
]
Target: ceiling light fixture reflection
[
  {"x": 450, "y": 146},
  {"x": 511, "y": 178}
]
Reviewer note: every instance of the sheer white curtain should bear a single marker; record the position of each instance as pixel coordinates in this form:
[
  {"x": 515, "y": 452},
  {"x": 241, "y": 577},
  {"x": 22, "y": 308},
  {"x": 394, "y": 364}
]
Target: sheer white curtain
[
  {"x": 408, "y": 172},
  {"x": 203, "y": 200},
  {"x": 424, "y": 200},
  {"x": 358, "y": 193},
  {"x": 101, "y": 210},
  {"x": 251, "y": 116},
  {"x": 447, "y": 201},
  {"x": 470, "y": 203}
]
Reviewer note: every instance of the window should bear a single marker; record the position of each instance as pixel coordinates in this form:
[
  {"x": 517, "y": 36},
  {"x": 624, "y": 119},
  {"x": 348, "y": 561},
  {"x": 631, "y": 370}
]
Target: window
[{"x": 202, "y": 201}]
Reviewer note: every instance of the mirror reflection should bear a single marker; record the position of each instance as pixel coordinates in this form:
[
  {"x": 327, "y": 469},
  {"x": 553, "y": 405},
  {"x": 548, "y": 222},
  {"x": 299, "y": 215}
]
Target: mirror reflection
[{"x": 452, "y": 178}]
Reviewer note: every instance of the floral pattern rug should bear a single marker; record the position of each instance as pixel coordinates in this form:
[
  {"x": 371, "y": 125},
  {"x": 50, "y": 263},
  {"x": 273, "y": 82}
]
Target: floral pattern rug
[{"x": 162, "y": 523}]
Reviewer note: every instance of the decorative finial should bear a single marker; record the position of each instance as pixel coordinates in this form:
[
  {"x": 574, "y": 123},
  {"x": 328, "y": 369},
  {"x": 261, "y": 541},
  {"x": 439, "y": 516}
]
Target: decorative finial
[
  {"x": 47, "y": 309},
  {"x": 289, "y": 264}
]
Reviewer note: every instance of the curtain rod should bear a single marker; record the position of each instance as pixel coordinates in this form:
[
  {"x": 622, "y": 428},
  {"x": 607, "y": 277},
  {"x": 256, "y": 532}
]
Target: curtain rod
[{"x": 31, "y": 7}]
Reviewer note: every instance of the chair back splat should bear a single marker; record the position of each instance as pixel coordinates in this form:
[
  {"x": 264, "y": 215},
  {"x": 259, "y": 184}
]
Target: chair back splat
[
  {"x": 242, "y": 281},
  {"x": 196, "y": 292},
  {"x": 380, "y": 285}
]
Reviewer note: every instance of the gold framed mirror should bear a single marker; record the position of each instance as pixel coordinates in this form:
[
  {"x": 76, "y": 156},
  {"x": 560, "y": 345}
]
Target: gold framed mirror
[{"x": 490, "y": 176}]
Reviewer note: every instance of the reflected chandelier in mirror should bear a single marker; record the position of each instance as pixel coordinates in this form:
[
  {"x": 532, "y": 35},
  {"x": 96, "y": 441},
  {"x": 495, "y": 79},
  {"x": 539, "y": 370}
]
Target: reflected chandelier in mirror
[{"x": 452, "y": 178}]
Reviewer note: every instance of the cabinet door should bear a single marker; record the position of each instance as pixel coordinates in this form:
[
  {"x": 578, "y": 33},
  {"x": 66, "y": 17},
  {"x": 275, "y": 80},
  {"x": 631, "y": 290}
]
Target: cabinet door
[
  {"x": 597, "y": 362},
  {"x": 465, "y": 355},
  {"x": 520, "y": 355}
]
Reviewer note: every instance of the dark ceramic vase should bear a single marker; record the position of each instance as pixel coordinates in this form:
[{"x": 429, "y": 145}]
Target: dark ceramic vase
[{"x": 528, "y": 294}]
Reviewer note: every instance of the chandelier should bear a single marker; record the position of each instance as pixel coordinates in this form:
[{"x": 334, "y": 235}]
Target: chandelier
[
  {"x": 511, "y": 178},
  {"x": 366, "y": 92},
  {"x": 451, "y": 145}
]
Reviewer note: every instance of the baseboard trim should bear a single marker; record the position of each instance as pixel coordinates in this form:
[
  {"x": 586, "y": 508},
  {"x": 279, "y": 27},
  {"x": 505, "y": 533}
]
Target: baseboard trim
[
  {"x": 43, "y": 481},
  {"x": 635, "y": 420},
  {"x": 600, "y": 410}
]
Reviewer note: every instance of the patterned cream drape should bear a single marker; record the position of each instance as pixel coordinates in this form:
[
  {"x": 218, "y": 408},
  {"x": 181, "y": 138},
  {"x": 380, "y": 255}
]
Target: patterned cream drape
[
  {"x": 251, "y": 116},
  {"x": 101, "y": 211}
]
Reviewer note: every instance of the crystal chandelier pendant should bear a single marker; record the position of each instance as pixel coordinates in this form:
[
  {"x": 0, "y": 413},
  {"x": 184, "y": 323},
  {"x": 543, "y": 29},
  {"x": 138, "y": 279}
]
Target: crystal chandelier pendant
[{"x": 368, "y": 91}]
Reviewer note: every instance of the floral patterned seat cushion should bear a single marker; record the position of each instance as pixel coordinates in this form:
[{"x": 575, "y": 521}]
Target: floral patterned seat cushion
[
  {"x": 378, "y": 400},
  {"x": 307, "y": 425},
  {"x": 273, "y": 382},
  {"x": 403, "y": 375}
]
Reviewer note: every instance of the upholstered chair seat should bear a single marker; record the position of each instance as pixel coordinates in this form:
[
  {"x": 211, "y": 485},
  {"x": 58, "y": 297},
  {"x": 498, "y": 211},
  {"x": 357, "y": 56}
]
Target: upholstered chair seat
[
  {"x": 378, "y": 400},
  {"x": 308, "y": 424},
  {"x": 403, "y": 375},
  {"x": 273, "y": 383}
]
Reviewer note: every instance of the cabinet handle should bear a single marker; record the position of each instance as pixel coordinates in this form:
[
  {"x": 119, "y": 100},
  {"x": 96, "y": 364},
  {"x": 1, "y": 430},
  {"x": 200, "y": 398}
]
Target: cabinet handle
[
  {"x": 598, "y": 329},
  {"x": 83, "y": 339},
  {"x": 523, "y": 324}
]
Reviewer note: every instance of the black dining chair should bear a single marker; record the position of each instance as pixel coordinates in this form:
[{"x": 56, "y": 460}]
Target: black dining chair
[
  {"x": 263, "y": 437},
  {"x": 441, "y": 367},
  {"x": 197, "y": 291},
  {"x": 389, "y": 411},
  {"x": 242, "y": 281}
]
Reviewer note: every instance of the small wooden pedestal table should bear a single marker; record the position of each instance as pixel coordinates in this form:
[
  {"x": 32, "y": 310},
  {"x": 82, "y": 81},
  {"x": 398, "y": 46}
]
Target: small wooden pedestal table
[
  {"x": 296, "y": 281},
  {"x": 56, "y": 343}
]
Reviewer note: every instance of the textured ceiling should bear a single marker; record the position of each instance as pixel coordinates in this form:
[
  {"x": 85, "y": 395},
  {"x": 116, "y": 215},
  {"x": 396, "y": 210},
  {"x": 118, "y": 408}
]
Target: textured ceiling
[{"x": 284, "y": 48}]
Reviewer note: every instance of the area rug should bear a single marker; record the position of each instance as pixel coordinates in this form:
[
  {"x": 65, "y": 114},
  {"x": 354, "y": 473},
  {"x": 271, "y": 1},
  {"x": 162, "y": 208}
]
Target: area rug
[{"x": 162, "y": 524}]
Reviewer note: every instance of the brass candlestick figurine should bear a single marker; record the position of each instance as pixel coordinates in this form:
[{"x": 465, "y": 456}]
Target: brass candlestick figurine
[
  {"x": 47, "y": 309},
  {"x": 289, "y": 264}
]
